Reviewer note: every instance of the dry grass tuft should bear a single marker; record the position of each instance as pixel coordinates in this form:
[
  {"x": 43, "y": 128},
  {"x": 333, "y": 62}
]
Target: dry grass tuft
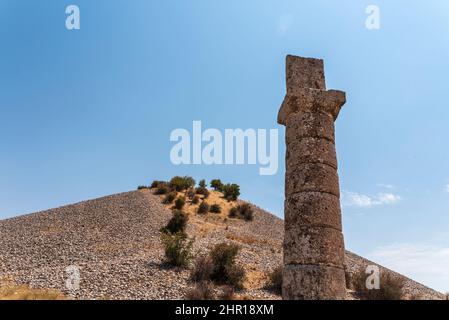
[{"x": 25, "y": 293}]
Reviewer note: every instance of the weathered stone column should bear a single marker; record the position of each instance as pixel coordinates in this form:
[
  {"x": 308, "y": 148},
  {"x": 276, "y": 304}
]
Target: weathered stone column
[{"x": 313, "y": 245}]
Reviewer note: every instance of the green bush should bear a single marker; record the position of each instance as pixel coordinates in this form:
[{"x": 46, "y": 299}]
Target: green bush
[
  {"x": 242, "y": 211},
  {"x": 215, "y": 208},
  {"x": 203, "y": 191},
  {"x": 233, "y": 212},
  {"x": 169, "y": 198},
  {"x": 203, "y": 208},
  {"x": 190, "y": 193},
  {"x": 223, "y": 255},
  {"x": 202, "y": 269},
  {"x": 177, "y": 223},
  {"x": 246, "y": 211},
  {"x": 161, "y": 189},
  {"x": 142, "y": 187},
  {"x": 195, "y": 200},
  {"x": 180, "y": 202},
  {"x": 202, "y": 184},
  {"x": 202, "y": 291},
  {"x": 181, "y": 183},
  {"x": 225, "y": 270},
  {"x": 157, "y": 183},
  {"x": 391, "y": 287},
  {"x": 216, "y": 184},
  {"x": 275, "y": 280},
  {"x": 231, "y": 192},
  {"x": 235, "y": 276},
  {"x": 178, "y": 249}
]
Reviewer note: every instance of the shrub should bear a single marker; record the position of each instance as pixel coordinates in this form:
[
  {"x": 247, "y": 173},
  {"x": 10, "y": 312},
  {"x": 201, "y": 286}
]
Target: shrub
[
  {"x": 181, "y": 183},
  {"x": 157, "y": 183},
  {"x": 233, "y": 212},
  {"x": 202, "y": 270},
  {"x": 203, "y": 208},
  {"x": 142, "y": 187},
  {"x": 202, "y": 184},
  {"x": 215, "y": 208},
  {"x": 195, "y": 200},
  {"x": 242, "y": 211},
  {"x": 201, "y": 291},
  {"x": 275, "y": 280},
  {"x": 227, "y": 293},
  {"x": 177, "y": 224},
  {"x": 223, "y": 255},
  {"x": 391, "y": 287},
  {"x": 169, "y": 198},
  {"x": 203, "y": 191},
  {"x": 178, "y": 249},
  {"x": 225, "y": 270},
  {"x": 236, "y": 276},
  {"x": 231, "y": 192},
  {"x": 216, "y": 184},
  {"x": 161, "y": 189},
  {"x": 180, "y": 202},
  {"x": 190, "y": 193},
  {"x": 246, "y": 211}
]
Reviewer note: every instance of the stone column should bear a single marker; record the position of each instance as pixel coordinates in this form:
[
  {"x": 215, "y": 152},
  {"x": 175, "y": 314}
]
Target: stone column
[{"x": 313, "y": 246}]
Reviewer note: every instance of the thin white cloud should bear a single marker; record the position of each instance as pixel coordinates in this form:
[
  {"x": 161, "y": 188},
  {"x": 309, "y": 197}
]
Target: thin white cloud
[
  {"x": 285, "y": 23},
  {"x": 386, "y": 186},
  {"x": 387, "y": 198},
  {"x": 447, "y": 188},
  {"x": 427, "y": 264},
  {"x": 354, "y": 199}
]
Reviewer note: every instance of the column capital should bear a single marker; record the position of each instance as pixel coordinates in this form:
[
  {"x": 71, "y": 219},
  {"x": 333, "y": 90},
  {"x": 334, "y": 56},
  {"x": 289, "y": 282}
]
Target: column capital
[
  {"x": 306, "y": 89},
  {"x": 312, "y": 100}
]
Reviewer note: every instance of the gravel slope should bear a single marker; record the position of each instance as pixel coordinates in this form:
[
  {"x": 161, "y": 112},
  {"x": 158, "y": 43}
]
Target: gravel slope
[{"x": 114, "y": 241}]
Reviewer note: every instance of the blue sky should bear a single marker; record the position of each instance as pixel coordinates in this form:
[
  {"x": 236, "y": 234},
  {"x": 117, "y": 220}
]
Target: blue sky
[{"x": 89, "y": 112}]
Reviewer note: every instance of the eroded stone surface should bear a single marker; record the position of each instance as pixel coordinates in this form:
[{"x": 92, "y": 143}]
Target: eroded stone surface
[
  {"x": 313, "y": 209},
  {"x": 315, "y": 177},
  {"x": 304, "y": 73},
  {"x": 309, "y": 124},
  {"x": 313, "y": 245},
  {"x": 313, "y": 241},
  {"x": 309, "y": 150},
  {"x": 312, "y": 100},
  {"x": 306, "y": 282}
]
